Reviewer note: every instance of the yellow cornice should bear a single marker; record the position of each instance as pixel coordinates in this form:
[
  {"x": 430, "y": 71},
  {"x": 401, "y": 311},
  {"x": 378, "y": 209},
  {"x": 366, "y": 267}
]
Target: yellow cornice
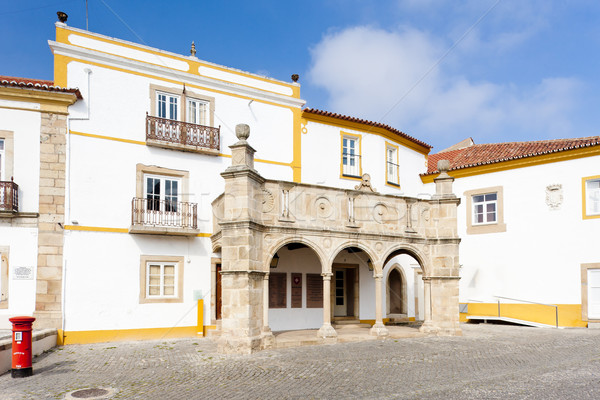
[
  {"x": 62, "y": 36},
  {"x": 49, "y": 101},
  {"x": 366, "y": 128},
  {"x": 520, "y": 163}
]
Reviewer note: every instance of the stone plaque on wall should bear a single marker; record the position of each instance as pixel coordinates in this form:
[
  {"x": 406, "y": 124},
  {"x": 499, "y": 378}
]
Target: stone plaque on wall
[
  {"x": 277, "y": 290},
  {"x": 22, "y": 273},
  {"x": 296, "y": 290},
  {"x": 314, "y": 291}
]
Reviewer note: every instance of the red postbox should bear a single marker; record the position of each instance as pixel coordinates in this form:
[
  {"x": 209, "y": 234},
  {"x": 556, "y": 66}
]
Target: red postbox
[{"x": 21, "y": 346}]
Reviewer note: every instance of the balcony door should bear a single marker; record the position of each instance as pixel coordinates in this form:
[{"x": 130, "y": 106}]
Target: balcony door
[{"x": 162, "y": 200}]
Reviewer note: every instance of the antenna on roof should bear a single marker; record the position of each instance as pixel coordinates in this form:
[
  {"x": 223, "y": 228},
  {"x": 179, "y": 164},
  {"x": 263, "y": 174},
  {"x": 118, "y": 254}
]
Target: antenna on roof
[{"x": 86, "y": 16}]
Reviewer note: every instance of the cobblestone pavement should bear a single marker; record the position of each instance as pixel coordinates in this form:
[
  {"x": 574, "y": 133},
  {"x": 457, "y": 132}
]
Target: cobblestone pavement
[{"x": 487, "y": 362}]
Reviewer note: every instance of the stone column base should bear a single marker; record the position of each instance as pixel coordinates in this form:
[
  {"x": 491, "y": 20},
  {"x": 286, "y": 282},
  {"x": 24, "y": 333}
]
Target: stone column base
[
  {"x": 379, "y": 330},
  {"x": 268, "y": 339},
  {"x": 239, "y": 345},
  {"x": 327, "y": 331},
  {"x": 47, "y": 320}
]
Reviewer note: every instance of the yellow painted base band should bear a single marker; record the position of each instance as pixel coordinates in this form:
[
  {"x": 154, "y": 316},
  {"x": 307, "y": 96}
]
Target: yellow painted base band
[
  {"x": 569, "y": 315},
  {"x": 82, "y": 337},
  {"x": 200, "y": 326}
]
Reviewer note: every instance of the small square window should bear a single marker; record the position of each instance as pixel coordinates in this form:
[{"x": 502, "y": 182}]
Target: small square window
[
  {"x": 485, "y": 210},
  {"x": 161, "y": 279}
]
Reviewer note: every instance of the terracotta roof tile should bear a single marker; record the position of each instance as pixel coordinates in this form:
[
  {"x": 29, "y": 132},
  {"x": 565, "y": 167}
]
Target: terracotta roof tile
[
  {"x": 482, "y": 154},
  {"x": 38, "y": 84},
  {"x": 366, "y": 122}
]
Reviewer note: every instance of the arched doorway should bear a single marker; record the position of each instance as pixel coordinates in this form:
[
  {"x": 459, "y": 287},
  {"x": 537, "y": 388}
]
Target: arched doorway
[{"x": 396, "y": 290}]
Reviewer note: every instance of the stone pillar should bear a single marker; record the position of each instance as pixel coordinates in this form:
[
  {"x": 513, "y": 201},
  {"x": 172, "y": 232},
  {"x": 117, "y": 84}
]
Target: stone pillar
[
  {"x": 268, "y": 340},
  {"x": 48, "y": 304},
  {"x": 427, "y": 302},
  {"x": 379, "y": 328},
  {"x": 327, "y": 331},
  {"x": 443, "y": 183},
  {"x": 242, "y": 272}
]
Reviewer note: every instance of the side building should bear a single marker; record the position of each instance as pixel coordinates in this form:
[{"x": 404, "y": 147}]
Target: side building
[
  {"x": 33, "y": 134},
  {"x": 529, "y": 227}
]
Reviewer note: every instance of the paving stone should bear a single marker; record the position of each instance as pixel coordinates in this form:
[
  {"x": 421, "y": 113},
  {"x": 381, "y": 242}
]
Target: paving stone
[{"x": 487, "y": 362}]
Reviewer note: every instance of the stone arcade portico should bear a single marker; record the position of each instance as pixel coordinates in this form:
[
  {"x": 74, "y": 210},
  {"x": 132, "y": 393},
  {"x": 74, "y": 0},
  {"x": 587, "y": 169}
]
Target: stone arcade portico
[{"x": 256, "y": 217}]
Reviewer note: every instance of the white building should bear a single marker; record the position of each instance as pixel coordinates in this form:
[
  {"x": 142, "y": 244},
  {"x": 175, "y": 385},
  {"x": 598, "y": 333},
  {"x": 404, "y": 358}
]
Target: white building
[{"x": 529, "y": 228}]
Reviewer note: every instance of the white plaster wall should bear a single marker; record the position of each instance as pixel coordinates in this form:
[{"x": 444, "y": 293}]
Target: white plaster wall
[
  {"x": 539, "y": 256},
  {"x": 303, "y": 261},
  {"x": 321, "y": 158},
  {"x": 26, "y": 161},
  {"x": 103, "y": 281},
  {"x": 119, "y": 102},
  {"x": 366, "y": 282},
  {"x": 22, "y": 243}
]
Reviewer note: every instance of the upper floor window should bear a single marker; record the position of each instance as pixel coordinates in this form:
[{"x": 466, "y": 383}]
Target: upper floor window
[
  {"x": 484, "y": 208},
  {"x": 392, "y": 169},
  {"x": 351, "y": 155},
  {"x": 167, "y": 106},
  {"x": 197, "y": 111},
  {"x": 162, "y": 193},
  {"x": 591, "y": 197}
]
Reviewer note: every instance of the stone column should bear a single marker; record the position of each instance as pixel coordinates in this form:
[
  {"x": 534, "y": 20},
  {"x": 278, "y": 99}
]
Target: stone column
[
  {"x": 268, "y": 340},
  {"x": 242, "y": 271},
  {"x": 379, "y": 328},
  {"x": 427, "y": 301},
  {"x": 327, "y": 331}
]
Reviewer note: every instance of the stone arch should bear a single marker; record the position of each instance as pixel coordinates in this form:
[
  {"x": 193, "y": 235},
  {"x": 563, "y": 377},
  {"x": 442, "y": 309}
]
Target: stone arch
[
  {"x": 292, "y": 239},
  {"x": 399, "y": 304},
  {"x": 412, "y": 251},
  {"x": 344, "y": 245}
]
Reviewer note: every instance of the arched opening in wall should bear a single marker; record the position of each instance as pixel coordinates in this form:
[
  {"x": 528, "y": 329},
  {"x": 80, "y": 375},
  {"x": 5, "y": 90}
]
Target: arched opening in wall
[
  {"x": 405, "y": 290},
  {"x": 352, "y": 286},
  {"x": 396, "y": 294},
  {"x": 295, "y": 290}
]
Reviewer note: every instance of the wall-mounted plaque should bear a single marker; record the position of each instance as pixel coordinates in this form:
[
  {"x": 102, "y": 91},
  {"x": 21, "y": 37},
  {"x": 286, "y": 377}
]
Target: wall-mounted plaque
[
  {"x": 296, "y": 290},
  {"x": 22, "y": 273},
  {"x": 277, "y": 290},
  {"x": 314, "y": 291}
]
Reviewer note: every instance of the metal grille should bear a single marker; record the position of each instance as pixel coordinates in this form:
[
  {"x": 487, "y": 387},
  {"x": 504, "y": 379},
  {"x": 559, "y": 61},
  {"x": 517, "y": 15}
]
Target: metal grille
[
  {"x": 9, "y": 196},
  {"x": 153, "y": 212},
  {"x": 172, "y": 131}
]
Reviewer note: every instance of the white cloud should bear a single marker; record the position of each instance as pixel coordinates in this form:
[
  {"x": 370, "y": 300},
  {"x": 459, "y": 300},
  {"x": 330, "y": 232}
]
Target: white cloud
[{"x": 378, "y": 75}]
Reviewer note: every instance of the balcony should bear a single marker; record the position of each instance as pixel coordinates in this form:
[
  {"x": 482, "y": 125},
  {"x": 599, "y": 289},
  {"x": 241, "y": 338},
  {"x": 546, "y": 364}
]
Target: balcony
[
  {"x": 9, "y": 197},
  {"x": 171, "y": 134},
  {"x": 163, "y": 217}
]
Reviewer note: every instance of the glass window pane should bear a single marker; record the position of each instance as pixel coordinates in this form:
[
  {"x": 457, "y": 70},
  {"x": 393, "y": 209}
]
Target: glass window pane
[
  {"x": 154, "y": 269},
  {"x": 169, "y": 290},
  {"x": 339, "y": 301},
  {"x": 154, "y": 291},
  {"x": 491, "y": 196},
  {"x": 478, "y": 199},
  {"x": 491, "y": 207},
  {"x": 169, "y": 270}
]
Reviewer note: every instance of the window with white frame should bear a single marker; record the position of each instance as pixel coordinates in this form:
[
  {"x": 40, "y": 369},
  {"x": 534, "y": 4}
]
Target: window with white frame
[
  {"x": 485, "y": 208},
  {"x": 167, "y": 106},
  {"x": 350, "y": 156},
  {"x": 592, "y": 197},
  {"x": 162, "y": 199},
  {"x": 392, "y": 165},
  {"x": 161, "y": 278},
  {"x": 197, "y": 111}
]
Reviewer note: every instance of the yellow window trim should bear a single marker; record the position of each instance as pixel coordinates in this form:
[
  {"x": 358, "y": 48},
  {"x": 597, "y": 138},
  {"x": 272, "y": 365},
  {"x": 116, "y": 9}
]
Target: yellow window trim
[
  {"x": 358, "y": 137},
  {"x": 520, "y": 163},
  {"x": 387, "y": 182},
  {"x": 584, "y": 197}
]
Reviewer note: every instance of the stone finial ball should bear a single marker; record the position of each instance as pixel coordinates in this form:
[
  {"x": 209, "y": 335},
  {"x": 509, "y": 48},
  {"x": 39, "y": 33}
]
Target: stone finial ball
[
  {"x": 242, "y": 131},
  {"x": 443, "y": 165}
]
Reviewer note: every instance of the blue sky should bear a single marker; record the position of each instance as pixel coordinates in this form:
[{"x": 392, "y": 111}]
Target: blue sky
[{"x": 439, "y": 70}]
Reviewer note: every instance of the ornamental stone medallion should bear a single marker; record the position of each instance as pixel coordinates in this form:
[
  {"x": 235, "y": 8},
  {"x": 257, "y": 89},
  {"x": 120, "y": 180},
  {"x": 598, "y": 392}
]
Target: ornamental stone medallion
[{"x": 554, "y": 196}]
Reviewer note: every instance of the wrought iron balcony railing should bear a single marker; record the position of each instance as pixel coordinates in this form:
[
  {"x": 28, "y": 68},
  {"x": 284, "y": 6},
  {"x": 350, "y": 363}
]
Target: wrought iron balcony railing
[
  {"x": 9, "y": 196},
  {"x": 164, "y": 213},
  {"x": 183, "y": 133}
]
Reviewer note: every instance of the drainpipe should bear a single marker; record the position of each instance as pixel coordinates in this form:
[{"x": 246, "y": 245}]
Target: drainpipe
[{"x": 68, "y": 189}]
